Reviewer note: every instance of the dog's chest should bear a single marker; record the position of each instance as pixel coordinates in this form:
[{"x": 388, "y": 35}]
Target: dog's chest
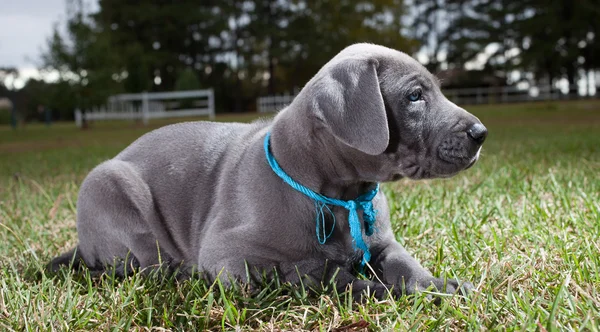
[{"x": 332, "y": 233}]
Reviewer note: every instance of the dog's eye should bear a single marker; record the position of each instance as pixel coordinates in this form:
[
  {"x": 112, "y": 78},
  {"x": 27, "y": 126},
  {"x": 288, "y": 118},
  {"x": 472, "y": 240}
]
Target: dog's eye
[{"x": 415, "y": 95}]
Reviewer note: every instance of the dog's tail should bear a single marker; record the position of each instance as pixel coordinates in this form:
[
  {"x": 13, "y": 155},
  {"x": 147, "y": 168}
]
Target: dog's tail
[{"x": 70, "y": 259}]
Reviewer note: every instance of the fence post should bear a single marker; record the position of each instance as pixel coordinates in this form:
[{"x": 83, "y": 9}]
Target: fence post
[
  {"x": 78, "y": 118},
  {"x": 145, "y": 108},
  {"x": 211, "y": 104}
]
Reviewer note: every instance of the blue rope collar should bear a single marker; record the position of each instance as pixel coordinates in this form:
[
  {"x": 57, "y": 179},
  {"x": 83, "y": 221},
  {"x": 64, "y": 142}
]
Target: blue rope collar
[{"x": 363, "y": 202}]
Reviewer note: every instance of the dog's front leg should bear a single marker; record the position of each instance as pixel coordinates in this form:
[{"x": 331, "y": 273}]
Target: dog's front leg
[
  {"x": 315, "y": 274},
  {"x": 394, "y": 265}
]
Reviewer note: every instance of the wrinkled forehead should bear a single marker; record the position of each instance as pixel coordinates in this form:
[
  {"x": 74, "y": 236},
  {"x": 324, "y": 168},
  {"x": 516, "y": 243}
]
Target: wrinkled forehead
[
  {"x": 393, "y": 65},
  {"x": 402, "y": 71}
]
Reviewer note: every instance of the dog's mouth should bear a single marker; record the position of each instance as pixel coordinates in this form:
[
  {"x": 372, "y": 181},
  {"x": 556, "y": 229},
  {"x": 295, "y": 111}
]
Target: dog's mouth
[
  {"x": 471, "y": 163},
  {"x": 445, "y": 162},
  {"x": 456, "y": 159},
  {"x": 458, "y": 156},
  {"x": 453, "y": 161},
  {"x": 474, "y": 160}
]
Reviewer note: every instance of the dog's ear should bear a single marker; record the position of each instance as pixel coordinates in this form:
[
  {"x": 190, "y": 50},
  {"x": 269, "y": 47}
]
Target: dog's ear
[{"x": 349, "y": 101}]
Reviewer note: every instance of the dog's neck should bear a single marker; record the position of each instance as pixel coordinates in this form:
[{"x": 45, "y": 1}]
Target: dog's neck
[{"x": 321, "y": 167}]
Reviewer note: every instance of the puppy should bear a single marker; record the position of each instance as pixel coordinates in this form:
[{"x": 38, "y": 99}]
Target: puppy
[{"x": 215, "y": 197}]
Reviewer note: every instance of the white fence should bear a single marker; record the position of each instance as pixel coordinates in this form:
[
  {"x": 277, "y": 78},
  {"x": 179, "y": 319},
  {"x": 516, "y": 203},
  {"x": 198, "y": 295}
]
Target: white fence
[
  {"x": 487, "y": 95},
  {"x": 155, "y": 105},
  {"x": 273, "y": 103},
  {"x": 514, "y": 94}
]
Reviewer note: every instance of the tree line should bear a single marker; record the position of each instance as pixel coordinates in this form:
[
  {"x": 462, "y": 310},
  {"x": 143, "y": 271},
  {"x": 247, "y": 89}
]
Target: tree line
[
  {"x": 242, "y": 49},
  {"x": 536, "y": 41},
  {"x": 248, "y": 48}
]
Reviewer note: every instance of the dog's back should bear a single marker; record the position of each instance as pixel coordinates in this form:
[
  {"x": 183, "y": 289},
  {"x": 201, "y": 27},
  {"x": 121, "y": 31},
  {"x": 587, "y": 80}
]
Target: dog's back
[{"x": 146, "y": 190}]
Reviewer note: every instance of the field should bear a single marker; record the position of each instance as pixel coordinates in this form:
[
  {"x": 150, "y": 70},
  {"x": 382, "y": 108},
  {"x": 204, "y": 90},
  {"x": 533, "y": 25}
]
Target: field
[{"x": 523, "y": 225}]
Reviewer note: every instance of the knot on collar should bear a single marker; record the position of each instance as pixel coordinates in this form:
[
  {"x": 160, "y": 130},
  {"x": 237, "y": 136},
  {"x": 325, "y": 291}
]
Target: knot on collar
[
  {"x": 363, "y": 202},
  {"x": 350, "y": 205}
]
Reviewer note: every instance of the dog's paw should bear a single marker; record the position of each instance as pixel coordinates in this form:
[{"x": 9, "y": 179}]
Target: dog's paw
[
  {"x": 363, "y": 290},
  {"x": 441, "y": 285},
  {"x": 464, "y": 288}
]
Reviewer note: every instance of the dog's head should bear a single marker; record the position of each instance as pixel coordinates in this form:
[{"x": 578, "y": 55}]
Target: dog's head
[{"x": 388, "y": 108}]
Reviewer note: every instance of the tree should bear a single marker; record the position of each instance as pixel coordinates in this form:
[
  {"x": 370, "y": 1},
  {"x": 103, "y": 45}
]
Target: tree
[
  {"x": 83, "y": 58},
  {"x": 6, "y": 72},
  {"x": 241, "y": 48},
  {"x": 135, "y": 64},
  {"x": 431, "y": 22},
  {"x": 6, "y": 95},
  {"x": 551, "y": 40},
  {"x": 317, "y": 30},
  {"x": 187, "y": 80}
]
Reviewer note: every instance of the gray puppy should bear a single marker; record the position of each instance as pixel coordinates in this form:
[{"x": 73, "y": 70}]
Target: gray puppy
[{"x": 203, "y": 195}]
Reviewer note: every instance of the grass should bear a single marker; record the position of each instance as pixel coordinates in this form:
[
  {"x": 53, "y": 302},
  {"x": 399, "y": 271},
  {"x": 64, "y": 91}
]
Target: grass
[{"x": 523, "y": 225}]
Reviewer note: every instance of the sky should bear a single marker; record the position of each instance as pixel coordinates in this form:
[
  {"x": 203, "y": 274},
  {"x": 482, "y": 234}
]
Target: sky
[{"x": 25, "y": 26}]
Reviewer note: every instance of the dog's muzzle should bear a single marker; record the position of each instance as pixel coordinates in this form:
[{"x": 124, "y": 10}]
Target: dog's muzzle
[{"x": 462, "y": 148}]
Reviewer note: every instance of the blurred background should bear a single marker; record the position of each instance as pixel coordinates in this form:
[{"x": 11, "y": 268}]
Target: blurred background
[
  {"x": 57, "y": 56},
  {"x": 522, "y": 225}
]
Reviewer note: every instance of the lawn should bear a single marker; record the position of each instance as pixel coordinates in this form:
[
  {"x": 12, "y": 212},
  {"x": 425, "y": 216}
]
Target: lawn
[{"x": 523, "y": 225}]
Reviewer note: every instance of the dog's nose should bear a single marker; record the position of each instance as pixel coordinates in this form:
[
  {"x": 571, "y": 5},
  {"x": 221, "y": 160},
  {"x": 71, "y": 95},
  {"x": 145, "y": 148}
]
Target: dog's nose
[{"x": 478, "y": 133}]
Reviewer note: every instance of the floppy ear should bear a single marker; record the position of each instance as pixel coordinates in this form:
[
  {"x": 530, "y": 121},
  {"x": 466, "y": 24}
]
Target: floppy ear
[{"x": 349, "y": 101}]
